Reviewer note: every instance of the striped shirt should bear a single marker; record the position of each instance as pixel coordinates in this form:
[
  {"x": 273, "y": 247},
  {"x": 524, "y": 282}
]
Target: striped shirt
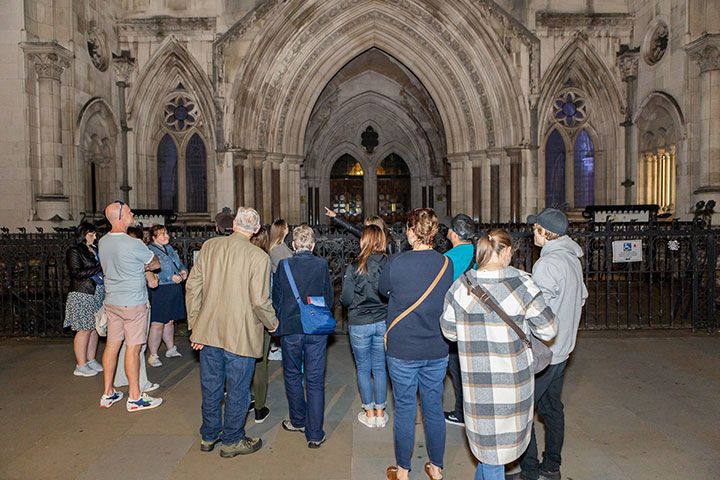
[{"x": 497, "y": 377}]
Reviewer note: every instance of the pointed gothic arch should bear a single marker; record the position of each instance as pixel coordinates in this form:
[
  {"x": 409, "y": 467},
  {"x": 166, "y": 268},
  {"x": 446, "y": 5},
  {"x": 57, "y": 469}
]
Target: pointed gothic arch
[
  {"x": 578, "y": 68},
  {"x": 171, "y": 69}
]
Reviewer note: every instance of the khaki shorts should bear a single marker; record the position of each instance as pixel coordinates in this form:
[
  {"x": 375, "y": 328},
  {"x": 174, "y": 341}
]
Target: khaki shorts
[{"x": 127, "y": 323}]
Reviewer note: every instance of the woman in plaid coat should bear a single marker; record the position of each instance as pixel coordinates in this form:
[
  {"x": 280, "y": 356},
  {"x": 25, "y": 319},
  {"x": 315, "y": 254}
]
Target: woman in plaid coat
[{"x": 497, "y": 375}]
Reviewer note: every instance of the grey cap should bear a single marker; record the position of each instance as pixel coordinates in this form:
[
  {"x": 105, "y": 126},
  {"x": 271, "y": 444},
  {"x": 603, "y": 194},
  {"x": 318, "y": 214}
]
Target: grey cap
[
  {"x": 463, "y": 226},
  {"x": 551, "y": 219}
]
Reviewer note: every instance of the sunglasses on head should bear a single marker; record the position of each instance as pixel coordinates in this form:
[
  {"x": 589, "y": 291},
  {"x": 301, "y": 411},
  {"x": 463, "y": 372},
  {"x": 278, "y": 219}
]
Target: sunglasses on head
[{"x": 122, "y": 204}]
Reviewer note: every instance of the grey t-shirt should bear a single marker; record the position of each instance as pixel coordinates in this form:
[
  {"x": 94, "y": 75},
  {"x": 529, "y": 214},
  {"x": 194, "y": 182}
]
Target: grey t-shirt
[{"x": 123, "y": 259}]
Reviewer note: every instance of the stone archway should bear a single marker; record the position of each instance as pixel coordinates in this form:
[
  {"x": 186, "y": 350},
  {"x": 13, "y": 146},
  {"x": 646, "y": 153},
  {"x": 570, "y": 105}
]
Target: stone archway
[{"x": 275, "y": 63}]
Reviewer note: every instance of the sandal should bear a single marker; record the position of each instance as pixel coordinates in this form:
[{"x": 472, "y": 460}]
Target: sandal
[
  {"x": 429, "y": 472},
  {"x": 391, "y": 473}
]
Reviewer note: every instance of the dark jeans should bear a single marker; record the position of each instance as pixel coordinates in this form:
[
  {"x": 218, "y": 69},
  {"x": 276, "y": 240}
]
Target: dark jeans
[
  {"x": 407, "y": 376},
  {"x": 306, "y": 405},
  {"x": 456, "y": 378},
  {"x": 222, "y": 371},
  {"x": 548, "y": 387}
]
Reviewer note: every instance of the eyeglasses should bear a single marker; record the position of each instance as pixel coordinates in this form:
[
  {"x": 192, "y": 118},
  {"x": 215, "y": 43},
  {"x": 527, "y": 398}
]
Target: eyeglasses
[{"x": 122, "y": 204}]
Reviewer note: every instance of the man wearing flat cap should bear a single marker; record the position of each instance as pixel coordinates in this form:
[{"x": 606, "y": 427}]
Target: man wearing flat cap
[{"x": 558, "y": 273}]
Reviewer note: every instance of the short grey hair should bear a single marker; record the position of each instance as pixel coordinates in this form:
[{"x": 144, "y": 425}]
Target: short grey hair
[
  {"x": 247, "y": 220},
  {"x": 303, "y": 238}
]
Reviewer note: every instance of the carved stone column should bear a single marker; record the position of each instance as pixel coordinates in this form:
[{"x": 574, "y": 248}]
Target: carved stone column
[
  {"x": 293, "y": 194},
  {"x": 123, "y": 66},
  {"x": 457, "y": 182},
  {"x": 271, "y": 188},
  {"x": 49, "y": 60},
  {"x": 706, "y": 52},
  {"x": 628, "y": 63}
]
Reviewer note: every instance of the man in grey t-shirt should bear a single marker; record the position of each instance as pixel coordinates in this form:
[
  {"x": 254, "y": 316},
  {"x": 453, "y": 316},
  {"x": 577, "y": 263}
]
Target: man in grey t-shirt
[{"x": 124, "y": 261}]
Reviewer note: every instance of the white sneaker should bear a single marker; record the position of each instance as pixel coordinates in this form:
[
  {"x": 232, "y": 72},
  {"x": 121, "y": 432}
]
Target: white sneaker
[
  {"x": 275, "y": 355},
  {"x": 154, "y": 361},
  {"x": 365, "y": 420},
  {"x": 107, "y": 401},
  {"x": 380, "y": 422},
  {"x": 150, "y": 387},
  {"x": 95, "y": 365},
  {"x": 145, "y": 402},
  {"x": 173, "y": 352},
  {"x": 85, "y": 371}
]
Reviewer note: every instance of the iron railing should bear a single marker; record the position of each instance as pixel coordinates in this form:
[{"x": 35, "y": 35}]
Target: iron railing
[{"x": 673, "y": 287}]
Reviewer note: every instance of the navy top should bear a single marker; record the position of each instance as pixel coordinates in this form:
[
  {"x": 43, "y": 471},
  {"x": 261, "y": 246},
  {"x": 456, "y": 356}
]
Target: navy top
[
  {"x": 312, "y": 277},
  {"x": 404, "y": 279}
]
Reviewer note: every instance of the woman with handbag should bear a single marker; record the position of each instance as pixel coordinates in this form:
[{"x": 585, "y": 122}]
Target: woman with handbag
[
  {"x": 415, "y": 283},
  {"x": 302, "y": 296},
  {"x": 367, "y": 313},
  {"x": 85, "y": 298},
  {"x": 491, "y": 312},
  {"x": 167, "y": 301}
]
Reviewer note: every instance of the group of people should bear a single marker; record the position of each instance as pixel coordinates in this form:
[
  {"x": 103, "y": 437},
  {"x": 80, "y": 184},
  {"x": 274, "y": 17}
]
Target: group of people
[{"x": 416, "y": 315}]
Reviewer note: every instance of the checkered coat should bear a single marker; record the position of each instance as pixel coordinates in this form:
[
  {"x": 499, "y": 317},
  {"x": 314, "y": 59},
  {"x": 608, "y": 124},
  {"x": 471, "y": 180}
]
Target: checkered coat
[{"x": 497, "y": 377}]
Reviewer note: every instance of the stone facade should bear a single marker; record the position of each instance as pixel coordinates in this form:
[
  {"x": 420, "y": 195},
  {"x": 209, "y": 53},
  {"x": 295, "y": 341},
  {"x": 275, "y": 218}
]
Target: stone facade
[{"x": 497, "y": 108}]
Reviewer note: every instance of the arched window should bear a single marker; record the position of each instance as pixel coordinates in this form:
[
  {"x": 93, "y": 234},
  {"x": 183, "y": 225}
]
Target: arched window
[
  {"x": 167, "y": 161},
  {"x": 393, "y": 186},
  {"x": 346, "y": 187},
  {"x": 555, "y": 170},
  {"x": 584, "y": 170},
  {"x": 196, "y": 175}
]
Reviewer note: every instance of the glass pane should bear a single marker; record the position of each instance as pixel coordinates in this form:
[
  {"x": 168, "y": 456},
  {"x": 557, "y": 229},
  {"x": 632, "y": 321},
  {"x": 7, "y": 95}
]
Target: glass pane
[
  {"x": 167, "y": 159},
  {"x": 584, "y": 168},
  {"x": 555, "y": 171},
  {"x": 393, "y": 165},
  {"x": 346, "y": 166},
  {"x": 196, "y": 175}
]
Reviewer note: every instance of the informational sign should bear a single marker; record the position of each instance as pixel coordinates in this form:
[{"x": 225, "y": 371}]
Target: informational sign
[
  {"x": 625, "y": 251},
  {"x": 622, "y": 217}
]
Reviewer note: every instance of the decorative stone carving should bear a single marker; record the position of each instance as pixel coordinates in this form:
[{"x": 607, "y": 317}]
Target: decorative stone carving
[
  {"x": 628, "y": 61},
  {"x": 97, "y": 47},
  {"x": 706, "y": 51},
  {"x": 566, "y": 21},
  {"x": 180, "y": 112},
  {"x": 160, "y": 26},
  {"x": 49, "y": 64},
  {"x": 369, "y": 139},
  {"x": 570, "y": 109},
  {"x": 656, "y": 43},
  {"x": 123, "y": 65}
]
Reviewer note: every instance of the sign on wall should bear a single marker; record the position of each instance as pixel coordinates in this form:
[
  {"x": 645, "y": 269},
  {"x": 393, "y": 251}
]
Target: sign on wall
[{"x": 625, "y": 251}]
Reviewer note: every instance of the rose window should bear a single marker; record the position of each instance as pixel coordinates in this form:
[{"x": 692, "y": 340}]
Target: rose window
[
  {"x": 180, "y": 112},
  {"x": 570, "y": 109}
]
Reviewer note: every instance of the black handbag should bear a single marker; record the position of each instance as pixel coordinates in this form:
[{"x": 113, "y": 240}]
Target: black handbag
[{"x": 542, "y": 355}]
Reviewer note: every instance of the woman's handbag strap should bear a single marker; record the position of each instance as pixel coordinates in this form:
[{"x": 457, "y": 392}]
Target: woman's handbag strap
[
  {"x": 485, "y": 298},
  {"x": 419, "y": 300}
]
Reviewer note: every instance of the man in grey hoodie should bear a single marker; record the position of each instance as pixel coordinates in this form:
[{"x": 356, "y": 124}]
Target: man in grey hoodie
[{"x": 559, "y": 275}]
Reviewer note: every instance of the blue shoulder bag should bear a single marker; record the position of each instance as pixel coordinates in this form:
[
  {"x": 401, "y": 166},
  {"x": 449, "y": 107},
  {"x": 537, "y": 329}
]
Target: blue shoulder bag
[{"x": 315, "y": 319}]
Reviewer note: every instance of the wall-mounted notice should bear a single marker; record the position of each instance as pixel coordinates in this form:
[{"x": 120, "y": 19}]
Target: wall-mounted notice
[{"x": 627, "y": 251}]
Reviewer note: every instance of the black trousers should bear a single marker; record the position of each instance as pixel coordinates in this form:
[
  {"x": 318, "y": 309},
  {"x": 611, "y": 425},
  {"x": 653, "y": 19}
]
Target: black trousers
[
  {"x": 548, "y": 387},
  {"x": 456, "y": 378}
]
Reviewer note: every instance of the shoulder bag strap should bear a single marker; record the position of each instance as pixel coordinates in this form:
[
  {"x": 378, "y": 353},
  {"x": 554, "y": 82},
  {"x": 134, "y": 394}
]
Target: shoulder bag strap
[
  {"x": 419, "y": 300},
  {"x": 291, "y": 280},
  {"x": 485, "y": 298}
]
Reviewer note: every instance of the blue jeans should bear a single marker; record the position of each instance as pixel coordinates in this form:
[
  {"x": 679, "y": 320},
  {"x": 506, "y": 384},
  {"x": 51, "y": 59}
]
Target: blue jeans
[
  {"x": 222, "y": 371},
  {"x": 490, "y": 472},
  {"x": 407, "y": 376},
  {"x": 369, "y": 350},
  {"x": 306, "y": 405}
]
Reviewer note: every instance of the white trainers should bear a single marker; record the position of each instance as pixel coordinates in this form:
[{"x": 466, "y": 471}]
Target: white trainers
[
  {"x": 275, "y": 355},
  {"x": 145, "y": 402},
  {"x": 150, "y": 387},
  {"x": 95, "y": 365},
  {"x": 173, "y": 352},
  {"x": 107, "y": 401},
  {"x": 380, "y": 422},
  {"x": 365, "y": 420},
  {"x": 85, "y": 371},
  {"x": 154, "y": 361}
]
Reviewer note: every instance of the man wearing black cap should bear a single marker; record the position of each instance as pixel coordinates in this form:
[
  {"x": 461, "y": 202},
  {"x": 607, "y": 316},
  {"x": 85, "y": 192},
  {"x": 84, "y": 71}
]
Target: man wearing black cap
[
  {"x": 461, "y": 234},
  {"x": 558, "y": 273}
]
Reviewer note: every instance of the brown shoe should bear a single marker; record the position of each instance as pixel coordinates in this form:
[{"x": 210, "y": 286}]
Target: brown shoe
[
  {"x": 391, "y": 473},
  {"x": 428, "y": 471}
]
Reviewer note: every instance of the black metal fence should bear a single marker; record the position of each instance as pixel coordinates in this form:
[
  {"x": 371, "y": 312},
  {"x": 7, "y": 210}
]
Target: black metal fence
[{"x": 672, "y": 286}]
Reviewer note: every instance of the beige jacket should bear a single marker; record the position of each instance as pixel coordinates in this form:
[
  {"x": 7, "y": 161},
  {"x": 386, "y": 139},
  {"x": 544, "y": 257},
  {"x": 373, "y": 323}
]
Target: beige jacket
[{"x": 227, "y": 296}]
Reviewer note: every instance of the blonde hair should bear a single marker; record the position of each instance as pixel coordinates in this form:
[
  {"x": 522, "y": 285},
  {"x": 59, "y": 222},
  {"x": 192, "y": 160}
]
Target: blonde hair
[
  {"x": 371, "y": 241},
  {"x": 494, "y": 242},
  {"x": 424, "y": 224},
  {"x": 278, "y": 231},
  {"x": 303, "y": 238},
  {"x": 377, "y": 220}
]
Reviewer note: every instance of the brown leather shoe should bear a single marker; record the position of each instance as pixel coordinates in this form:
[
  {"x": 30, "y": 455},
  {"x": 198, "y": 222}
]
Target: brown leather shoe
[
  {"x": 391, "y": 473},
  {"x": 429, "y": 472}
]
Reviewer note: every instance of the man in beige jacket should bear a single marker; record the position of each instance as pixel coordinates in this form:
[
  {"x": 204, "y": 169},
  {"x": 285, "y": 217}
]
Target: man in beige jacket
[{"x": 228, "y": 306}]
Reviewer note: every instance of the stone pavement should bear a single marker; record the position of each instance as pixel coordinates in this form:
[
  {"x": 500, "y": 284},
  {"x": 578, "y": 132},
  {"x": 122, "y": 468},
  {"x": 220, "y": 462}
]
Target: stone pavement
[{"x": 637, "y": 408}]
